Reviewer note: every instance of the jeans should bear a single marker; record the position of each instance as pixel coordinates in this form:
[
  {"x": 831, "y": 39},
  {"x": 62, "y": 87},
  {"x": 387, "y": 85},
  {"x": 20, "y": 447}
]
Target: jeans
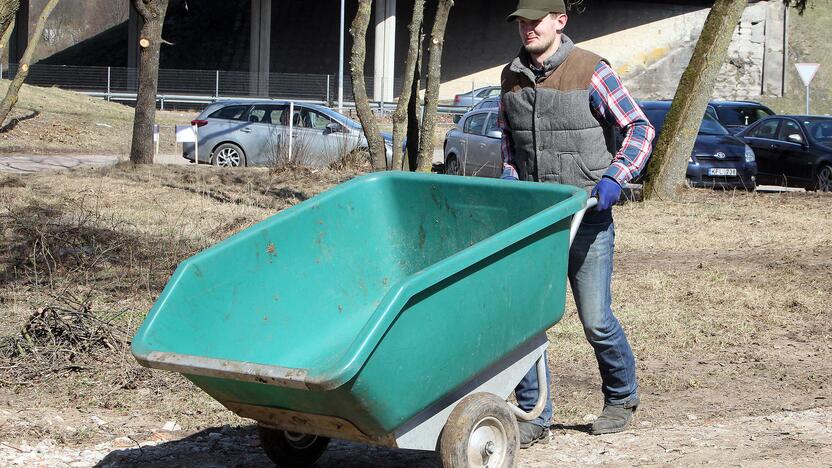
[{"x": 590, "y": 276}]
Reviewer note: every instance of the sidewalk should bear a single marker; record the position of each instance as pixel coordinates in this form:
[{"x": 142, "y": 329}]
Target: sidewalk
[{"x": 28, "y": 163}]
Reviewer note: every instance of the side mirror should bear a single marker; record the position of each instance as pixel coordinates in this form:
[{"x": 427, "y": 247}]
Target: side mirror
[
  {"x": 457, "y": 118},
  {"x": 496, "y": 134},
  {"x": 333, "y": 127},
  {"x": 795, "y": 138}
]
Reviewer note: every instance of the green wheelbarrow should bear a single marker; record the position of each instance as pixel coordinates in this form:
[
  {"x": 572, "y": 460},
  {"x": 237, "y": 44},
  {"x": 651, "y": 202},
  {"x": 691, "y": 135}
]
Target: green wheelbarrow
[{"x": 396, "y": 309}]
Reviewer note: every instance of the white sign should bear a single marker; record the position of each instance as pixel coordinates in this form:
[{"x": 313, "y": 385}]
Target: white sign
[
  {"x": 807, "y": 71},
  {"x": 156, "y": 133},
  {"x": 185, "y": 134}
]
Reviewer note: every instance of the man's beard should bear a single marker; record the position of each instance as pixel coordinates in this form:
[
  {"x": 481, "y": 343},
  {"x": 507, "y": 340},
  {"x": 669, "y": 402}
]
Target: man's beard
[{"x": 539, "y": 47}]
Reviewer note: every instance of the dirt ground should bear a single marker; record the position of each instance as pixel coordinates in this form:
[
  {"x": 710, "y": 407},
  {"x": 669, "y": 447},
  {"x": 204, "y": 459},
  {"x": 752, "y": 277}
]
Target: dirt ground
[{"x": 724, "y": 295}]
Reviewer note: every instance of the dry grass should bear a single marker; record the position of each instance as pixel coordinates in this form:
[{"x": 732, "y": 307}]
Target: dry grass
[
  {"x": 724, "y": 295},
  {"x": 55, "y": 121}
]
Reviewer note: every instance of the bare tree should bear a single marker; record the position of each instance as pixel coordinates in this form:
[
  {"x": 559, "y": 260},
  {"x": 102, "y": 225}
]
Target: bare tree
[
  {"x": 150, "y": 42},
  {"x": 437, "y": 41},
  {"x": 358, "y": 31},
  {"x": 10, "y": 100},
  {"x": 411, "y": 73},
  {"x": 666, "y": 170},
  {"x": 8, "y": 10},
  {"x": 414, "y": 125}
]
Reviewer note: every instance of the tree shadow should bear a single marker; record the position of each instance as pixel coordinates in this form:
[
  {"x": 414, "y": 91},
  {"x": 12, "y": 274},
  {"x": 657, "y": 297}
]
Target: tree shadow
[
  {"x": 240, "y": 447},
  {"x": 572, "y": 427},
  {"x": 13, "y": 122}
]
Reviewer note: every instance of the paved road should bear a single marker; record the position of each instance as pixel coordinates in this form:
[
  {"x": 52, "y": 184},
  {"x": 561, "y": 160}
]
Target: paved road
[{"x": 28, "y": 163}]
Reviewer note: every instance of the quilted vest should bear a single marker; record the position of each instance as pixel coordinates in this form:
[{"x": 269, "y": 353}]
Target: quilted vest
[{"x": 556, "y": 137}]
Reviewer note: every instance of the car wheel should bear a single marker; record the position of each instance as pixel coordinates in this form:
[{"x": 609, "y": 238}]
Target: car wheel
[
  {"x": 824, "y": 182},
  {"x": 228, "y": 155},
  {"x": 452, "y": 166}
]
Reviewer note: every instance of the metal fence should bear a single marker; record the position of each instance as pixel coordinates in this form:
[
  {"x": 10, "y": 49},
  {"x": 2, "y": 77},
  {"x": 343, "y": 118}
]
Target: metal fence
[{"x": 192, "y": 86}]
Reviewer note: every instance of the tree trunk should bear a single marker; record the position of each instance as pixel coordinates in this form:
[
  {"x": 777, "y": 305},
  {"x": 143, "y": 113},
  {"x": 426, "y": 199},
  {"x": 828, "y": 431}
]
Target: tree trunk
[
  {"x": 667, "y": 167},
  {"x": 437, "y": 41},
  {"x": 8, "y": 10},
  {"x": 414, "y": 116},
  {"x": 401, "y": 114},
  {"x": 358, "y": 31},
  {"x": 10, "y": 100},
  {"x": 150, "y": 43}
]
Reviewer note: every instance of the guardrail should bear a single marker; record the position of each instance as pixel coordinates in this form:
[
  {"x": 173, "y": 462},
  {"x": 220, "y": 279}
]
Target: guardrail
[
  {"x": 202, "y": 87},
  {"x": 195, "y": 99}
]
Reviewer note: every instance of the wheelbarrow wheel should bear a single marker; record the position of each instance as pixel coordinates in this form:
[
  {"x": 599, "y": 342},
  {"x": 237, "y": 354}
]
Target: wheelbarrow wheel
[
  {"x": 292, "y": 449},
  {"x": 481, "y": 432}
]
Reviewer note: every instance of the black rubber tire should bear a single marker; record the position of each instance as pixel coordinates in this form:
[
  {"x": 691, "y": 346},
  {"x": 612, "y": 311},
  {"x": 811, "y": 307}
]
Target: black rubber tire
[
  {"x": 823, "y": 182},
  {"x": 291, "y": 450},
  {"x": 480, "y": 419},
  {"x": 452, "y": 166},
  {"x": 228, "y": 152}
]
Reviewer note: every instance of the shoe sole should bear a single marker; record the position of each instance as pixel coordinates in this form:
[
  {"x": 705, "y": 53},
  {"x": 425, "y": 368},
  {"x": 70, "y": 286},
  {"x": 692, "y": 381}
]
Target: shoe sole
[
  {"x": 610, "y": 431},
  {"x": 543, "y": 439}
]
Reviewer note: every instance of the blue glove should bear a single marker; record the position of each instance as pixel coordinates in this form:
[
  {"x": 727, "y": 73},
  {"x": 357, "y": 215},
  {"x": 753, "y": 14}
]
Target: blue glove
[
  {"x": 508, "y": 174},
  {"x": 608, "y": 191}
]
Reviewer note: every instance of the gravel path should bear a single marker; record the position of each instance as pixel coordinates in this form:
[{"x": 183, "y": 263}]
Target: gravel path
[{"x": 790, "y": 438}]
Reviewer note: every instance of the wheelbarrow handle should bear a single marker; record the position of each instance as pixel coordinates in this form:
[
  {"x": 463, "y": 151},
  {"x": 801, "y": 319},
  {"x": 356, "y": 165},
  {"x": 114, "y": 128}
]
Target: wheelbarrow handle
[{"x": 579, "y": 216}]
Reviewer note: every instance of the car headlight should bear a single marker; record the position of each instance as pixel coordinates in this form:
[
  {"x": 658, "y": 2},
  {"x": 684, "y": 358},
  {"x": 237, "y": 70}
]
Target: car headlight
[{"x": 749, "y": 154}]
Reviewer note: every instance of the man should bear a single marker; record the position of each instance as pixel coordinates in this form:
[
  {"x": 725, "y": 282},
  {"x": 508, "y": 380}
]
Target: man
[{"x": 558, "y": 108}]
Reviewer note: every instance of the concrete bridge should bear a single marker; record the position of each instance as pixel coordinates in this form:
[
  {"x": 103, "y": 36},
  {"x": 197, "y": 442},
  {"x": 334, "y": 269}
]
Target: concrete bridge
[{"x": 648, "y": 42}]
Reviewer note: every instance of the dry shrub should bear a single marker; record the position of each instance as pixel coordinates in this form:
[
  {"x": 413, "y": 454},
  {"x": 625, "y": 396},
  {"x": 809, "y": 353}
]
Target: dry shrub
[
  {"x": 65, "y": 336},
  {"x": 357, "y": 160}
]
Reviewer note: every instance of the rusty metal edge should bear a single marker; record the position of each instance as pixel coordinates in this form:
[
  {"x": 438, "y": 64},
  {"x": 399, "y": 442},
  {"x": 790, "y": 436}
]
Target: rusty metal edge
[
  {"x": 306, "y": 423},
  {"x": 233, "y": 370}
]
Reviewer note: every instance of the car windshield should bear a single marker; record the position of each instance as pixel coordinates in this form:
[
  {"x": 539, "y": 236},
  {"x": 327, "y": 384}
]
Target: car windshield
[
  {"x": 819, "y": 130},
  {"x": 741, "y": 116},
  {"x": 710, "y": 126}
]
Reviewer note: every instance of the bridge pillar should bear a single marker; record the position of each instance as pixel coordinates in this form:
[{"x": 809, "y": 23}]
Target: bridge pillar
[
  {"x": 261, "y": 40},
  {"x": 19, "y": 38},
  {"x": 385, "y": 50},
  {"x": 135, "y": 22}
]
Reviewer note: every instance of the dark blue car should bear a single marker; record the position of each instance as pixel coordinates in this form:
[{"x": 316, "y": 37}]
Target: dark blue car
[{"x": 718, "y": 159}]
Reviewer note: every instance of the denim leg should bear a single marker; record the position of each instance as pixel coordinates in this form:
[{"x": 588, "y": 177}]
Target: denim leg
[
  {"x": 590, "y": 275},
  {"x": 526, "y": 393}
]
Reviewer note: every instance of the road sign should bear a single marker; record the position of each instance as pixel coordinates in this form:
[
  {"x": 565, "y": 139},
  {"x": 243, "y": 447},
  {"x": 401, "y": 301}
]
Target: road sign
[{"x": 807, "y": 71}]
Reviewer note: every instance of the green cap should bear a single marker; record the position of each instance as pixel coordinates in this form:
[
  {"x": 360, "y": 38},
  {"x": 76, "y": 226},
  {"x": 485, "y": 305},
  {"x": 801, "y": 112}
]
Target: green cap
[{"x": 536, "y": 9}]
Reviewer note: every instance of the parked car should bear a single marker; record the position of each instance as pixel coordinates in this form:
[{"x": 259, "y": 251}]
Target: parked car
[
  {"x": 487, "y": 103},
  {"x": 718, "y": 159},
  {"x": 736, "y": 115},
  {"x": 472, "y": 147},
  {"x": 471, "y": 98},
  {"x": 234, "y": 133},
  {"x": 793, "y": 150}
]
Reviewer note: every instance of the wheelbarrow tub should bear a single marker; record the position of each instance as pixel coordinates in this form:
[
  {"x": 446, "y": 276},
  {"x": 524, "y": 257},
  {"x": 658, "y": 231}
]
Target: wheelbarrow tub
[{"x": 368, "y": 303}]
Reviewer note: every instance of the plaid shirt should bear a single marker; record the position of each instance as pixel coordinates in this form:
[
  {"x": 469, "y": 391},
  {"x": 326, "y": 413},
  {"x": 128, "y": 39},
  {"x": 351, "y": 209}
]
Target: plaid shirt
[{"x": 612, "y": 104}]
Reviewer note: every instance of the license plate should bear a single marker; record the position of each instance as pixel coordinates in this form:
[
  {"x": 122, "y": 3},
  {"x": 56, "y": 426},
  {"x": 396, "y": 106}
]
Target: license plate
[{"x": 720, "y": 171}]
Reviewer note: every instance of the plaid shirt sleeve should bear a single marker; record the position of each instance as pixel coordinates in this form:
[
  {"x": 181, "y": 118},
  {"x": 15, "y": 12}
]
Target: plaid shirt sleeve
[
  {"x": 611, "y": 102},
  {"x": 507, "y": 147}
]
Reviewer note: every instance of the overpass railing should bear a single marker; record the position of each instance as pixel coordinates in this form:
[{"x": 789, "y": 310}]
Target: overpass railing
[{"x": 198, "y": 88}]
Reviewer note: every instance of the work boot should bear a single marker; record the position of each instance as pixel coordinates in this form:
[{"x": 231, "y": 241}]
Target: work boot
[
  {"x": 531, "y": 434},
  {"x": 614, "y": 418}
]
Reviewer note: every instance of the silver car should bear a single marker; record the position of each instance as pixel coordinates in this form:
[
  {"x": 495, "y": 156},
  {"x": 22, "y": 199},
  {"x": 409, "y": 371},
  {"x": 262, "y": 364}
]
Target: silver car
[
  {"x": 471, "y": 98},
  {"x": 473, "y": 146},
  {"x": 237, "y": 133}
]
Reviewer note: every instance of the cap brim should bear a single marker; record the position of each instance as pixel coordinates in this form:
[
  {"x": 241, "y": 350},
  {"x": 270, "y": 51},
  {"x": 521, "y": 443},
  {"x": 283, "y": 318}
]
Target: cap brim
[{"x": 528, "y": 14}]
